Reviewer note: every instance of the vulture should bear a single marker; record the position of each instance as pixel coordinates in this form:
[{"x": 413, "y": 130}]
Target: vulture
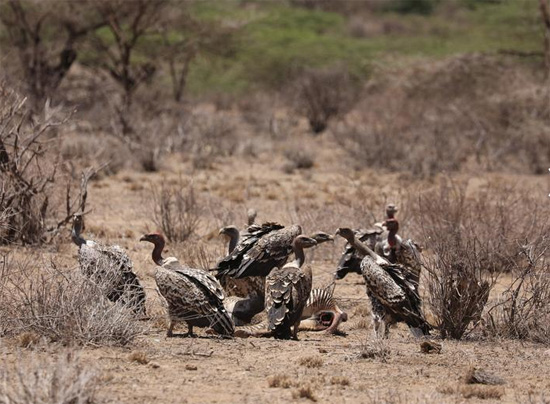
[
  {"x": 320, "y": 314},
  {"x": 193, "y": 295},
  {"x": 403, "y": 252},
  {"x": 110, "y": 268},
  {"x": 393, "y": 297},
  {"x": 373, "y": 237},
  {"x": 250, "y": 289},
  {"x": 259, "y": 249},
  {"x": 287, "y": 291}
]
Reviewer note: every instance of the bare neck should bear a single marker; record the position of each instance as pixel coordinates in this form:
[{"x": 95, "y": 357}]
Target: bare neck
[
  {"x": 233, "y": 240},
  {"x": 76, "y": 237},
  {"x": 364, "y": 250},
  {"x": 157, "y": 252},
  {"x": 299, "y": 255}
]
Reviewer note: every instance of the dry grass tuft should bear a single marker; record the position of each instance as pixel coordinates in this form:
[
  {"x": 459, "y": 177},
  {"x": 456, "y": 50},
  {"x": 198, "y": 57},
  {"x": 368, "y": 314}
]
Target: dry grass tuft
[
  {"x": 311, "y": 361},
  {"x": 482, "y": 392},
  {"x": 48, "y": 381},
  {"x": 339, "y": 381},
  {"x": 378, "y": 349},
  {"x": 61, "y": 306},
  {"x": 304, "y": 391},
  {"x": 28, "y": 339},
  {"x": 282, "y": 381},
  {"x": 139, "y": 357}
]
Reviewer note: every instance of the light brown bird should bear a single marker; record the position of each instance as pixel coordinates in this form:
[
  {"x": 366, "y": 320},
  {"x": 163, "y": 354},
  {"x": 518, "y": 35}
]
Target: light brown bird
[
  {"x": 110, "y": 268},
  {"x": 287, "y": 291},
  {"x": 193, "y": 295}
]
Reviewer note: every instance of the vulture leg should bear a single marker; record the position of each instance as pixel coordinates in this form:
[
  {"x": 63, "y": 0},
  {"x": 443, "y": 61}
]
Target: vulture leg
[
  {"x": 190, "y": 331},
  {"x": 170, "y": 333},
  {"x": 295, "y": 330}
]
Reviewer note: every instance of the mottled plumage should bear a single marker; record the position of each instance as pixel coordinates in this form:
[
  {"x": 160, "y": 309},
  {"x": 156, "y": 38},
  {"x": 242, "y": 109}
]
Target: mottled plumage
[
  {"x": 238, "y": 262},
  {"x": 110, "y": 268},
  {"x": 321, "y": 313},
  {"x": 287, "y": 291},
  {"x": 393, "y": 297},
  {"x": 192, "y": 295}
]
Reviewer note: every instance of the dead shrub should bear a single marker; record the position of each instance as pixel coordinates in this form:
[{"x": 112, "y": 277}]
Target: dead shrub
[
  {"x": 206, "y": 137},
  {"x": 61, "y": 306},
  {"x": 522, "y": 311},
  {"x": 176, "y": 209},
  {"x": 472, "y": 241},
  {"x": 324, "y": 93},
  {"x": 32, "y": 191},
  {"x": 45, "y": 380},
  {"x": 299, "y": 158}
]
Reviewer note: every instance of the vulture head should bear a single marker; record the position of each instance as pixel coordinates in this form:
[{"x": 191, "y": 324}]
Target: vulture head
[
  {"x": 229, "y": 231},
  {"x": 346, "y": 233},
  {"x": 322, "y": 237}
]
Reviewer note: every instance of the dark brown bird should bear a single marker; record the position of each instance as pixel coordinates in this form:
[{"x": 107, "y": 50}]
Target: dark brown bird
[
  {"x": 110, "y": 268},
  {"x": 393, "y": 297},
  {"x": 193, "y": 295},
  {"x": 251, "y": 288},
  {"x": 287, "y": 291},
  {"x": 249, "y": 255}
]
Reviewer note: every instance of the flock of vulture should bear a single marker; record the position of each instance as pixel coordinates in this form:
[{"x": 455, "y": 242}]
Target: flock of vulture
[{"x": 253, "y": 291}]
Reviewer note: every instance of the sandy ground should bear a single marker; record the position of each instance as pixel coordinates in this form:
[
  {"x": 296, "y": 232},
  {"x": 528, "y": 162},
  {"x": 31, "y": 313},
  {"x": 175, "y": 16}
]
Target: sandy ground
[{"x": 350, "y": 368}]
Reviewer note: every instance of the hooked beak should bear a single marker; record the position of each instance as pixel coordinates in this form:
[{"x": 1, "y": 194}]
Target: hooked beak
[{"x": 144, "y": 238}]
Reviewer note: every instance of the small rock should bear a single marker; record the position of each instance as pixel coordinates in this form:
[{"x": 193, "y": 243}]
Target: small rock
[
  {"x": 154, "y": 365},
  {"x": 482, "y": 376},
  {"x": 430, "y": 347},
  {"x": 191, "y": 367},
  {"x": 322, "y": 350}
]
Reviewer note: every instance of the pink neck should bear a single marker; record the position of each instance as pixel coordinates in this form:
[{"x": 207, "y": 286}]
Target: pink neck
[{"x": 392, "y": 240}]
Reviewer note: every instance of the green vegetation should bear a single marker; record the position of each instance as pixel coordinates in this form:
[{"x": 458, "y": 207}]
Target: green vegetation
[{"x": 274, "y": 39}]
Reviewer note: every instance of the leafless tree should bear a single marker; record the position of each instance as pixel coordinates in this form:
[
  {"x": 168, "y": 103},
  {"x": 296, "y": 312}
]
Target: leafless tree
[
  {"x": 30, "y": 174},
  {"x": 44, "y": 35},
  {"x": 128, "y": 24}
]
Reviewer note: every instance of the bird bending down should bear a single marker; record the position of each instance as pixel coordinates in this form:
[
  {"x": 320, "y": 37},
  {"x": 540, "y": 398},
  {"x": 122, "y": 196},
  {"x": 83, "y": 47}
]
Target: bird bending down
[
  {"x": 321, "y": 313},
  {"x": 287, "y": 291},
  {"x": 110, "y": 268},
  {"x": 393, "y": 297},
  {"x": 193, "y": 295},
  {"x": 264, "y": 248}
]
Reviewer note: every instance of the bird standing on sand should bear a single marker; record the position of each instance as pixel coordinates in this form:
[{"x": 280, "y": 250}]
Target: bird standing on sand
[
  {"x": 193, "y": 295},
  {"x": 393, "y": 297},
  {"x": 110, "y": 268}
]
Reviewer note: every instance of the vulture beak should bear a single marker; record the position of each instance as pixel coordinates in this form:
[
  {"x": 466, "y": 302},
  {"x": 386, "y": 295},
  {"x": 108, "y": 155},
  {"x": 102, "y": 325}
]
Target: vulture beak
[
  {"x": 222, "y": 231},
  {"x": 337, "y": 232},
  {"x": 145, "y": 237}
]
